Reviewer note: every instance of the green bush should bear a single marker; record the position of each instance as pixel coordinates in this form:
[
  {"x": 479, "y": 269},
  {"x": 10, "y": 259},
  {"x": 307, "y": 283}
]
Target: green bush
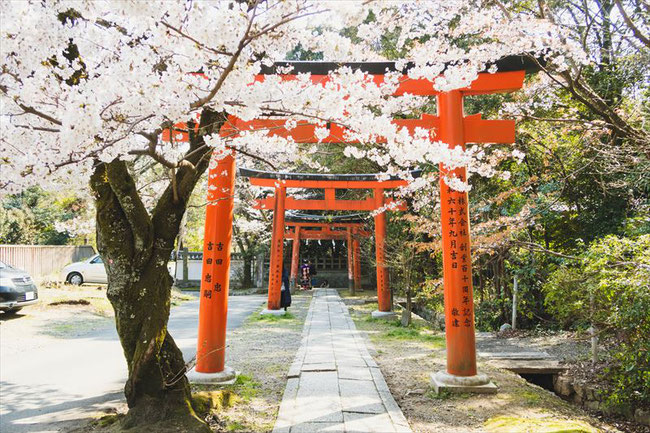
[{"x": 609, "y": 287}]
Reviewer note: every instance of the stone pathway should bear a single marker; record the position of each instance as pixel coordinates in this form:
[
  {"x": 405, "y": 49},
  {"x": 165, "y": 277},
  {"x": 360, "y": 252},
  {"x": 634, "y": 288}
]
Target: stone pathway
[{"x": 334, "y": 385}]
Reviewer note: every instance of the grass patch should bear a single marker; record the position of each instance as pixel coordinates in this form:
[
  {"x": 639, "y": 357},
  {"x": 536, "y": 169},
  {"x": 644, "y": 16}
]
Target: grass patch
[
  {"x": 442, "y": 395},
  {"x": 345, "y": 293},
  {"x": 272, "y": 318},
  {"x": 393, "y": 330},
  {"x": 245, "y": 387},
  {"x": 445, "y": 394},
  {"x": 415, "y": 334},
  {"x": 512, "y": 424}
]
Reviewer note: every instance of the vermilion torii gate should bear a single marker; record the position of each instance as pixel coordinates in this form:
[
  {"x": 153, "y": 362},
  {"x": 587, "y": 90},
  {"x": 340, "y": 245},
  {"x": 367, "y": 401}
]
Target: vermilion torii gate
[
  {"x": 450, "y": 125},
  {"x": 321, "y": 227},
  {"x": 329, "y": 183}
]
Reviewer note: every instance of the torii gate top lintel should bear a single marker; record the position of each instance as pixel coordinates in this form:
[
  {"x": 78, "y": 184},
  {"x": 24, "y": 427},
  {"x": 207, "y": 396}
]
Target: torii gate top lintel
[
  {"x": 505, "y": 64},
  {"x": 323, "y": 180}
]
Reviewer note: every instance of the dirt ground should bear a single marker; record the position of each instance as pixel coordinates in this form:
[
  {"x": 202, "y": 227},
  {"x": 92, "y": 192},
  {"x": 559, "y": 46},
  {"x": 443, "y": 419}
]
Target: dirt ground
[
  {"x": 89, "y": 298},
  {"x": 407, "y": 356},
  {"x": 261, "y": 351}
]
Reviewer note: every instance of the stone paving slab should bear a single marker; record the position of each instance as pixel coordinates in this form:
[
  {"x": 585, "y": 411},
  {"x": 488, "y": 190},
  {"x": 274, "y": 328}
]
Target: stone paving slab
[{"x": 333, "y": 384}]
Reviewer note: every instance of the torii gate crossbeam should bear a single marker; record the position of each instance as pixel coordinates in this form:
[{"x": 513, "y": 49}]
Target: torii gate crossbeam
[
  {"x": 329, "y": 183},
  {"x": 452, "y": 127}
]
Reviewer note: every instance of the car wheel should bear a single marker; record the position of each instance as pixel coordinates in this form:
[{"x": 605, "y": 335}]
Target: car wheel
[
  {"x": 13, "y": 311},
  {"x": 75, "y": 279}
]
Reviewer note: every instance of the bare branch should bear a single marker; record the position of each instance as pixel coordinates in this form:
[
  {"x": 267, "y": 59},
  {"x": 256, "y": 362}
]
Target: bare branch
[{"x": 639, "y": 35}]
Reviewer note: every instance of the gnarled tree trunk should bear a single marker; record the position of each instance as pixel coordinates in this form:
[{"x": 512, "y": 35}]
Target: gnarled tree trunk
[{"x": 136, "y": 247}]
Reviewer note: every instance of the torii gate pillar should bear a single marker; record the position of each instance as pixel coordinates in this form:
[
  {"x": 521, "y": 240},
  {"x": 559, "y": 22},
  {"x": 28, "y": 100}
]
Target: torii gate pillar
[
  {"x": 295, "y": 258},
  {"x": 215, "y": 278},
  {"x": 277, "y": 254},
  {"x": 356, "y": 260},
  {"x": 350, "y": 249},
  {"x": 461, "y": 374},
  {"x": 384, "y": 307}
]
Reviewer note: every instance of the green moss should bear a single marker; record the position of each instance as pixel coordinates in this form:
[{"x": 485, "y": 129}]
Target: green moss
[
  {"x": 528, "y": 397},
  {"x": 511, "y": 424},
  {"x": 205, "y": 401},
  {"x": 235, "y": 426},
  {"x": 107, "y": 420}
]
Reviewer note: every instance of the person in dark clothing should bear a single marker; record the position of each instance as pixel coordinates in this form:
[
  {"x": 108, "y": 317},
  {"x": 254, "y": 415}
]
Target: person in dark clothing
[
  {"x": 285, "y": 295},
  {"x": 305, "y": 273}
]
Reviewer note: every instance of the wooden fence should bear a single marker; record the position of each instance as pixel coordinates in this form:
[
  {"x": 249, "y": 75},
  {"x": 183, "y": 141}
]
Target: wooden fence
[{"x": 43, "y": 260}]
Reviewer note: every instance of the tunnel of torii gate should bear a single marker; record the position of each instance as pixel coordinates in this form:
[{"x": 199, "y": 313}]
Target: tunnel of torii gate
[
  {"x": 329, "y": 183},
  {"x": 350, "y": 228},
  {"x": 450, "y": 125}
]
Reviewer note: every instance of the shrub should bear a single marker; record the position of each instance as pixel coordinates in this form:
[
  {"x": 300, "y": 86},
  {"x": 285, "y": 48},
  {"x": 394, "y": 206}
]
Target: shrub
[{"x": 609, "y": 287}]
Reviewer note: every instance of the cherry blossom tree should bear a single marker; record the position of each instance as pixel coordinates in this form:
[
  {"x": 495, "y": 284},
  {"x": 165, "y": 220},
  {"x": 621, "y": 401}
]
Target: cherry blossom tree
[{"x": 87, "y": 89}]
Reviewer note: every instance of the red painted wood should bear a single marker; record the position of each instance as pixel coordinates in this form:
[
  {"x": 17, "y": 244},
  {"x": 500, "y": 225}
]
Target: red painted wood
[{"x": 215, "y": 278}]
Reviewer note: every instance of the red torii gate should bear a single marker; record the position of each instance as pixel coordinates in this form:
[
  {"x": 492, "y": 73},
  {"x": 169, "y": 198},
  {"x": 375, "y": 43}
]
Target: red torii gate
[
  {"x": 329, "y": 183},
  {"x": 451, "y": 126},
  {"x": 320, "y": 227}
]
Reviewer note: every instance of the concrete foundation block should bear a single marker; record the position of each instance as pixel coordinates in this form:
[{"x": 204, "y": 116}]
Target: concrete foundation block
[
  {"x": 642, "y": 416},
  {"x": 479, "y": 384},
  {"x": 225, "y": 377},
  {"x": 384, "y": 315}
]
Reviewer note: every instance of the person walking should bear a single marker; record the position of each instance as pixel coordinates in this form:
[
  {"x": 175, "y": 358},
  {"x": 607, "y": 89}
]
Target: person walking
[{"x": 285, "y": 294}]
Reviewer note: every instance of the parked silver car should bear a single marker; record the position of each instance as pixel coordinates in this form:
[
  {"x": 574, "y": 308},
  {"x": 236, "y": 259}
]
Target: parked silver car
[{"x": 17, "y": 289}]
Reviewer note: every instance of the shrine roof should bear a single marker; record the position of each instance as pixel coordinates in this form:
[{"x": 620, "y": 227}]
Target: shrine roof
[{"x": 505, "y": 64}]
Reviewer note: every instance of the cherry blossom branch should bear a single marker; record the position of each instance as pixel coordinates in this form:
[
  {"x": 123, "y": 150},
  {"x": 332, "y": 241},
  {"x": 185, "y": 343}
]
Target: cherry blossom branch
[
  {"x": 231, "y": 64},
  {"x": 200, "y": 44},
  {"x": 31, "y": 110}
]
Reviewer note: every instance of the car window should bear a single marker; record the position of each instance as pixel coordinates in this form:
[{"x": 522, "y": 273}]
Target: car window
[{"x": 96, "y": 260}]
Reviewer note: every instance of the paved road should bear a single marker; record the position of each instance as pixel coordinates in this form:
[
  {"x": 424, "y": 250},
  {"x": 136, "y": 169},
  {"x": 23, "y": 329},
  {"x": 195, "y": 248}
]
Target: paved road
[{"x": 61, "y": 374}]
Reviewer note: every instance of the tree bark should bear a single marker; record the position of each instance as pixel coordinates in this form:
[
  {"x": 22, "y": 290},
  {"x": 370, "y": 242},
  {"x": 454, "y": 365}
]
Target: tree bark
[
  {"x": 136, "y": 247},
  {"x": 248, "y": 275}
]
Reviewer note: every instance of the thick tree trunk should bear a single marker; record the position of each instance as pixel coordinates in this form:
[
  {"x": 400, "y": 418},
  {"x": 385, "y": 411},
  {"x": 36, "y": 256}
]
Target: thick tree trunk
[
  {"x": 139, "y": 289},
  {"x": 136, "y": 246},
  {"x": 248, "y": 275}
]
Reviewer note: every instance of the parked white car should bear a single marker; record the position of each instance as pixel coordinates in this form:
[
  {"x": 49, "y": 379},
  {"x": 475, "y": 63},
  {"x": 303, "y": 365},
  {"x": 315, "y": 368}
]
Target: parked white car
[
  {"x": 88, "y": 271},
  {"x": 91, "y": 271}
]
